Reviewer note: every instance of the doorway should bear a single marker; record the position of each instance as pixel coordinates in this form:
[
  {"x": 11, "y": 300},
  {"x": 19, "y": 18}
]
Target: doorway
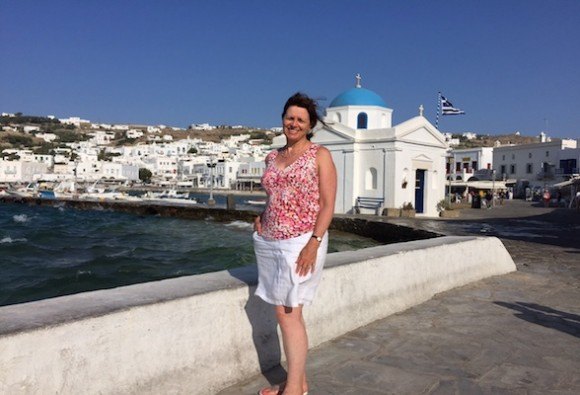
[{"x": 419, "y": 190}]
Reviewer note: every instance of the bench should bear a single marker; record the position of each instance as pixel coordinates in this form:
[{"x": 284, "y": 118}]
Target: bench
[{"x": 369, "y": 202}]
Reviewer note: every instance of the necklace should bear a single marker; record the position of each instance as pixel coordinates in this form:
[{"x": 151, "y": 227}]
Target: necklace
[{"x": 296, "y": 151}]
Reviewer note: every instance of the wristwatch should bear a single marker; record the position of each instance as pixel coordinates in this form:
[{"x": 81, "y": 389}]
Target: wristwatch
[{"x": 318, "y": 238}]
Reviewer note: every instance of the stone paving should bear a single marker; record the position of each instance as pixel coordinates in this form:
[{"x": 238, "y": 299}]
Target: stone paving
[{"x": 512, "y": 334}]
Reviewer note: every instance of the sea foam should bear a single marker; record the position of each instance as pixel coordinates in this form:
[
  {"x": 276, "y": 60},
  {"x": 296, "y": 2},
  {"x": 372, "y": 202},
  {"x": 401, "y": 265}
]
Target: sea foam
[
  {"x": 10, "y": 240},
  {"x": 240, "y": 225},
  {"x": 20, "y": 218}
]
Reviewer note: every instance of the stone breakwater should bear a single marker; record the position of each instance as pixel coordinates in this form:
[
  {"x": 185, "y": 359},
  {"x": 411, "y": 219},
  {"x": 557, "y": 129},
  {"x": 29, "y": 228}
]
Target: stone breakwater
[{"x": 383, "y": 232}]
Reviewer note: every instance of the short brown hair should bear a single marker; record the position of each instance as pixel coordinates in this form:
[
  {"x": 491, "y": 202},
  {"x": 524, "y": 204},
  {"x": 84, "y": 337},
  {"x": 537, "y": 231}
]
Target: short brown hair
[{"x": 301, "y": 100}]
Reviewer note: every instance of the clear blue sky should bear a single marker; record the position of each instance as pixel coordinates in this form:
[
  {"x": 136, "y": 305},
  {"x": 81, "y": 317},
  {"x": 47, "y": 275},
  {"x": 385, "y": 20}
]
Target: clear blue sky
[{"x": 511, "y": 65}]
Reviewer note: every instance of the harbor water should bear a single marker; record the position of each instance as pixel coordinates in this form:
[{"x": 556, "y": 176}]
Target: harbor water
[{"x": 53, "y": 251}]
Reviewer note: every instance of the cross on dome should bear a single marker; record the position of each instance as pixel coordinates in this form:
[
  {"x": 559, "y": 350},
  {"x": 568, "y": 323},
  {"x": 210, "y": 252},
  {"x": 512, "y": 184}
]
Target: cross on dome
[{"x": 358, "y": 79}]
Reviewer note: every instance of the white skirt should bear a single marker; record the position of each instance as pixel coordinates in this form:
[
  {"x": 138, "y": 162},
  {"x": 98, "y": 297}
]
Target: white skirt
[{"x": 278, "y": 282}]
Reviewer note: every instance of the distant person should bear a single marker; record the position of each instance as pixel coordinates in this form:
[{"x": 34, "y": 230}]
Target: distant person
[
  {"x": 482, "y": 198},
  {"x": 546, "y": 198},
  {"x": 488, "y": 199},
  {"x": 501, "y": 197},
  {"x": 291, "y": 238},
  {"x": 528, "y": 194}
]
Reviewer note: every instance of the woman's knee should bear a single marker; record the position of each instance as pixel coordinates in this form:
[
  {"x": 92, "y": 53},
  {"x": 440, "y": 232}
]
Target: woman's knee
[{"x": 288, "y": 315}]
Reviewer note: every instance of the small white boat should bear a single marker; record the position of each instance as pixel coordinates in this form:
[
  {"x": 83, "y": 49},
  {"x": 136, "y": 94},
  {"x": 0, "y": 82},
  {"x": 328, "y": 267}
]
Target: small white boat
[
  {"x": 169, "y": 196},
  {"x": 29, "y": 191},
  {"x": 64, "y": 190}
]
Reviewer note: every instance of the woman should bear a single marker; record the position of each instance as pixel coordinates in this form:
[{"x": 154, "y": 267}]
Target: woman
[{"x": 291, "y": 236}]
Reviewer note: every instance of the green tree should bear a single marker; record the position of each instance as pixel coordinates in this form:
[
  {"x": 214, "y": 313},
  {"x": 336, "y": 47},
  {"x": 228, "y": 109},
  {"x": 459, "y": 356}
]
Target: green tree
[
  {"x": 145, "y": 175},
  {"x": 192, "y": 150},
  {"x": 44, "y": 149},
  {"x": 69, "y": 136},
  {"x": 19, "y": 140}
]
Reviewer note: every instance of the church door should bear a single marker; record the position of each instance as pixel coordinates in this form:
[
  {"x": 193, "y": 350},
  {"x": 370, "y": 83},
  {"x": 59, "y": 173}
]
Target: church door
[{"x": 419, "y": 190}]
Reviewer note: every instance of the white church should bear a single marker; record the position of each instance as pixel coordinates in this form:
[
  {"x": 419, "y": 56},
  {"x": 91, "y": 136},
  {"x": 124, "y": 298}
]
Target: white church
[{"x": 380, "y": 165}]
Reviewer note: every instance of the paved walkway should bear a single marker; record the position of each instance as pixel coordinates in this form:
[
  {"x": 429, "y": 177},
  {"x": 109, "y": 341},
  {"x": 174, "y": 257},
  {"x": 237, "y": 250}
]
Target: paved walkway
[{"x": 512, "y": 334}]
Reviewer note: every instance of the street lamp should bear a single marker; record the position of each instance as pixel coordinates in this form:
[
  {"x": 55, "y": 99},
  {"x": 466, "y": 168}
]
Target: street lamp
[
  {"x": 493, "y": 188},
  {"x": 451, "y": 160},
  {"x": 211, "y": 165}
]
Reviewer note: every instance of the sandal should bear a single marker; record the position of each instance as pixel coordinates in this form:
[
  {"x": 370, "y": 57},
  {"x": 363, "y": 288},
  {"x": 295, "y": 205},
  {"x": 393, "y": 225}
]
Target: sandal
[{"x": 279, "y": 390}]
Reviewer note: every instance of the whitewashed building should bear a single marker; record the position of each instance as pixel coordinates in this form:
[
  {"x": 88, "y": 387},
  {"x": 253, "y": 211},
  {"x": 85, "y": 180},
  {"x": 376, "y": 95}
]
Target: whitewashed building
[
  {"x": 119, "y": 171},
  {"x": 400, "y": 164},
  {"x": 133, "y": 134},
  {"x": 47, "y": 137},
  {"x": 21, "y": 171},
  {"x": 538, "y": 164},
  {"x": 467, "y": 162}
]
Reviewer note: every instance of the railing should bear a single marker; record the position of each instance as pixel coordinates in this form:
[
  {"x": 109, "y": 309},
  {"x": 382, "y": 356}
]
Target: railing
[{"x": 567, "y": 172}]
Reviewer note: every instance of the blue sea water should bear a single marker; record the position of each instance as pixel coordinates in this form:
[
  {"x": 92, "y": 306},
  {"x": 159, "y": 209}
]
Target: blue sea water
[{"x": 51, "y": 251}]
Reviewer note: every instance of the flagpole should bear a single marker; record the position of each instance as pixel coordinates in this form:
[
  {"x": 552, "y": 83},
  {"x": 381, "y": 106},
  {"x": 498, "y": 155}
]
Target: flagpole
[{"x": 438, "y": 106}]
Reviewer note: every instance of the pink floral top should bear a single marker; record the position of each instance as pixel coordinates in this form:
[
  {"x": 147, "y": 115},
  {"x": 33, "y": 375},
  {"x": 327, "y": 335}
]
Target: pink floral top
[{"x": 293, "y": 196}]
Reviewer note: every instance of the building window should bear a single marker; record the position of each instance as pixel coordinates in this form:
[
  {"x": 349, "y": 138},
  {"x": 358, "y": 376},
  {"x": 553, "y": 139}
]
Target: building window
[
  {"x": 529, "y": 168},
  {"x": 512, "y": 169},
  {"x": 458, "y": 166},
  {"x": 361, "y": 121},
  {"x": 547, "y": 153},
  {"x": 530, "y": 155},
  {"x": 474, "y": 165},
  {"x": 513, "y": 156},
  {"x": 503, "y": 157},
  {"x": 502, "y": 170},
  {"x": 371, "y": 178}
]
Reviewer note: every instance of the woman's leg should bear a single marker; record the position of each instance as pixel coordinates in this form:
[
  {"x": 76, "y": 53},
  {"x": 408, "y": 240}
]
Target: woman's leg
[{"x": 295, "y": 342}]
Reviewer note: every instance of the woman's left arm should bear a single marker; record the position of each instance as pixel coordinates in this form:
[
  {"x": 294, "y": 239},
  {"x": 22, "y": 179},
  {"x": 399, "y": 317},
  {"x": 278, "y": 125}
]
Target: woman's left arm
[{"x": 327, "y": 188}]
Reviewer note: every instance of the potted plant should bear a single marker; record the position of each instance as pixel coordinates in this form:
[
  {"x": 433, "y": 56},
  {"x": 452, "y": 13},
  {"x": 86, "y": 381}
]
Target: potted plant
[
  {"x": 446, "y": 210},
  {"x": 407, "y": 210}
]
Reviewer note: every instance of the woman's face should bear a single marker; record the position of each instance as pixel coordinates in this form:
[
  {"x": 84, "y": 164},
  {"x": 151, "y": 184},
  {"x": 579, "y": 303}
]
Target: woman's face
[{"x": 296, "y": 124}]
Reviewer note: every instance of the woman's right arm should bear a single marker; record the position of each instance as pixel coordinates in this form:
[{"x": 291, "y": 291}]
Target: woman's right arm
[
  {"x": 258, "y": 219},
  {"x": 258, "y": 224}
]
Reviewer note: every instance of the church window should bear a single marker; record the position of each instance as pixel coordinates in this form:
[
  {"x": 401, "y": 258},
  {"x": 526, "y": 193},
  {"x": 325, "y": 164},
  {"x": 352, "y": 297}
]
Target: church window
[
  {"x": 361, "y": 121},
  {"x": 371, "y": 179}
]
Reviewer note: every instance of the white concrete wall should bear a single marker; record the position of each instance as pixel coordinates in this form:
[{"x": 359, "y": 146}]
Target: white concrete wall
[{"x": 198, "y": 334}]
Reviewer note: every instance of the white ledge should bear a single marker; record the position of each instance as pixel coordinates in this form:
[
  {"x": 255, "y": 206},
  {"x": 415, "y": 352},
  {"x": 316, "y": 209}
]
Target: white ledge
[{"x": 199, "y": 334}]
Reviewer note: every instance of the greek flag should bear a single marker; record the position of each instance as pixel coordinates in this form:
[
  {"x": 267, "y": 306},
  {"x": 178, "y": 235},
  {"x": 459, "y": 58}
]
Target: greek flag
[{"x": 448, "y": 109}]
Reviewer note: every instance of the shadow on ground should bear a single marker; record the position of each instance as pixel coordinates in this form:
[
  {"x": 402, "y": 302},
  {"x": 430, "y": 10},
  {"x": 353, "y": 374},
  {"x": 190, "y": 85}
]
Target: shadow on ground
[
  {"x": 545, "y": 316},
  {"x": 262, "y": 319}
]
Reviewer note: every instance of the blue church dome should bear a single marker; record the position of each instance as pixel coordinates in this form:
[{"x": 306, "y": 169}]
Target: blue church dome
[{"x": 358, "y": 97}]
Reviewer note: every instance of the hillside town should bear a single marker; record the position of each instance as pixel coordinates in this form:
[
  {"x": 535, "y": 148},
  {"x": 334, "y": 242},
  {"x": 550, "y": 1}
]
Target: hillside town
[
  {"x": 85, "y": 152},
  {"x": 382, "y": 168}
]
